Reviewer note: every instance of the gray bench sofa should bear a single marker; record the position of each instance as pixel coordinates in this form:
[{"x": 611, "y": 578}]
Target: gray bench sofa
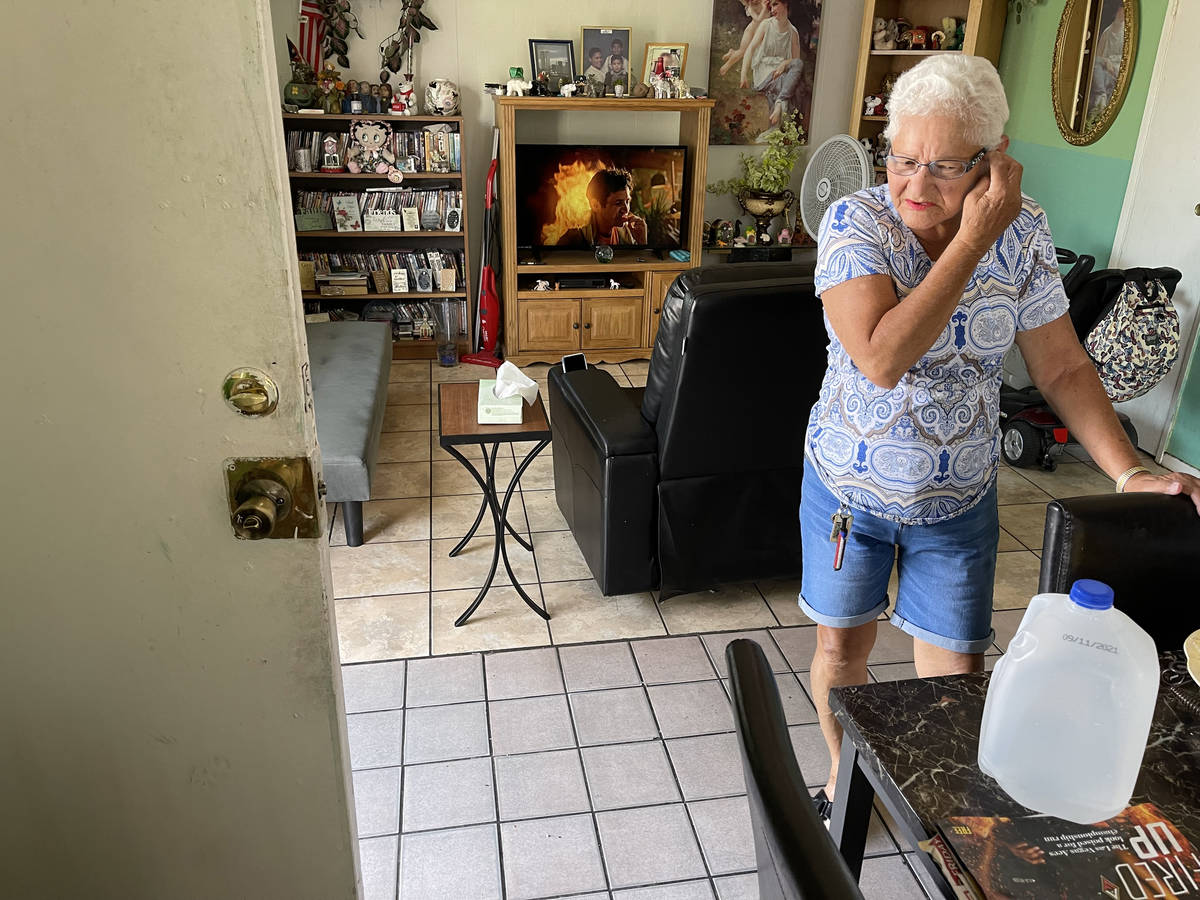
[{"x": 349, "y": 367}]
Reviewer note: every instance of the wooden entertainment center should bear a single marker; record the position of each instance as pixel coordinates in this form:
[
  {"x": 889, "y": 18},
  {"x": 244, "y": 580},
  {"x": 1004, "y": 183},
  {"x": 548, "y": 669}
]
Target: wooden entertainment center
[{"x": 609, "y": 325}]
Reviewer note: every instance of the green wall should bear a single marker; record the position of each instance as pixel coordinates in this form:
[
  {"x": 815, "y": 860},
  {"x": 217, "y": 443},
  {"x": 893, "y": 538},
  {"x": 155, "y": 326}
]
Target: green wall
[
  {"x": 1081, "y": 188},
  {"x": 1184, "y": 441}
]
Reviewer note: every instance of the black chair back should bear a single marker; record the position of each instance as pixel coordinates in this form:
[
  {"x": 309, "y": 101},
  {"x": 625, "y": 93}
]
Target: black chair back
[
  {"x": 1146, "y": 547},
  {"x": 797, "y": 860}
]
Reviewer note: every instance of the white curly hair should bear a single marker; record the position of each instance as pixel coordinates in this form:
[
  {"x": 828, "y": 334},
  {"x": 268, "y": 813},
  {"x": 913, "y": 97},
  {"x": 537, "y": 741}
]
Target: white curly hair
[{"x": 966, "y": 88}]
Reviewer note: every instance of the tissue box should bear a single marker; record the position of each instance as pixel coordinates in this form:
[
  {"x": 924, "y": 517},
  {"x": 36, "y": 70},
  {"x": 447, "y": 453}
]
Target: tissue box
[{"x": 496, "y": 411}]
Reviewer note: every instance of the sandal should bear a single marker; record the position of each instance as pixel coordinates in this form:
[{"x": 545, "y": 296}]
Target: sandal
[{"x": 823, "y": 805}]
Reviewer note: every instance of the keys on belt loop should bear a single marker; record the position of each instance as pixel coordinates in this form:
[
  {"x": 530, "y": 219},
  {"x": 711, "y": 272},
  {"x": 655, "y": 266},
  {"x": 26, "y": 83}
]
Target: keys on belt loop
[{"x": 842, "y": 520}]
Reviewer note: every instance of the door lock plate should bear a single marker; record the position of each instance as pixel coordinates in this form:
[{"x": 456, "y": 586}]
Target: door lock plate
[{"x": 272, "y": 497}]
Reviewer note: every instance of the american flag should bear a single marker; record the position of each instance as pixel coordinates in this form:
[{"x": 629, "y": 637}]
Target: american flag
[{"x": 312, "y": 32}]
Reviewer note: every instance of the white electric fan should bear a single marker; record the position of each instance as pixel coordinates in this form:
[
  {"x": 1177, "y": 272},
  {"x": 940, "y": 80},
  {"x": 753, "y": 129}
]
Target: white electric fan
[{"x": 840, "y": 166}]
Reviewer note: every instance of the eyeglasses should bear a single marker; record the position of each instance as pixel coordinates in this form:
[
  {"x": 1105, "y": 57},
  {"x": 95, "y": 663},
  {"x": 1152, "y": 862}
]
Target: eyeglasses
[{"x": 945, "y": 169}]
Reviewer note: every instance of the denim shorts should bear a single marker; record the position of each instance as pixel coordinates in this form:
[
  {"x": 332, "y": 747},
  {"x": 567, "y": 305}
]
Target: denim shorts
[{"x": 945, "y": 571}]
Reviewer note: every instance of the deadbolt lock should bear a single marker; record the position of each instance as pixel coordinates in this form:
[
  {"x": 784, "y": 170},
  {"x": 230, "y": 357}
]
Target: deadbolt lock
[{"x": 271, "y": 497}]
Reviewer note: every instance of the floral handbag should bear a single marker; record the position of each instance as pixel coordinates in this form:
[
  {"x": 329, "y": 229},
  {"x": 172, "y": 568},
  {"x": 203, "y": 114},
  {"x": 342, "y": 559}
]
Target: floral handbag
[{"x": 1136, "y": 340}]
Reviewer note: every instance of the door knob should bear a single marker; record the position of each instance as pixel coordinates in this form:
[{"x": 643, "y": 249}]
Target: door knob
[
  {"x": 587, "y": 324},
  {"x": 263, "y": 499},
  {"x": 575, "y": 325},
  {"x": 272, "y": 497}
]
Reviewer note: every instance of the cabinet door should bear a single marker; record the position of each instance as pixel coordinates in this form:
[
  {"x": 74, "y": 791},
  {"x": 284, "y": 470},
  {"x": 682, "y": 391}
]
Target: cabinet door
[
  {"x": 656, "y": 291},
  {"x": 549, "y": 325},
  {"x": 612, "y": 323}
]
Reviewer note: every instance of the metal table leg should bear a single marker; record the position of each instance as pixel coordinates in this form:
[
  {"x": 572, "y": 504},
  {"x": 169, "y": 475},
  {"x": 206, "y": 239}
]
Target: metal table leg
[
  {"x": 490, "y": 469},
  {"x": 500, "y": 521}
]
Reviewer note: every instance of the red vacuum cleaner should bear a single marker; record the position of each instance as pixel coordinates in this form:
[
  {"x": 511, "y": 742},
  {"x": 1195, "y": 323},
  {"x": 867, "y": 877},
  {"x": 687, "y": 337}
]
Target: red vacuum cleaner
[{"x": 487, "y": 320}]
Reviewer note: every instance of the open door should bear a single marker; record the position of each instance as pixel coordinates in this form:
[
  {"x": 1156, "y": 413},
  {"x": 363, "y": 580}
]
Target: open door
[{"x": 172, "y": 722}]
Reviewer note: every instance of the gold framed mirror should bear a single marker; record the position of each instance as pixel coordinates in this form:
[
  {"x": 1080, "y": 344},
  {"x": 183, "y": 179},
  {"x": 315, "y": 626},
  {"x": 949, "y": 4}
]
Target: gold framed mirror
[{"x": 1093, "y": 62}]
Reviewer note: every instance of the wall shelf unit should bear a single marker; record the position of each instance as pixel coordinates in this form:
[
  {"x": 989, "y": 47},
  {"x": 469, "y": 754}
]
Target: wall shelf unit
[
  {"x": 610, "y": 325},
  {"x": 342, "y": 242},
  {"x": 983, "y": 34}
]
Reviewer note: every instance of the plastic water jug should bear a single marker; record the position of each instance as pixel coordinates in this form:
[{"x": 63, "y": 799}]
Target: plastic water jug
[{"x": 1068, "y": 708}]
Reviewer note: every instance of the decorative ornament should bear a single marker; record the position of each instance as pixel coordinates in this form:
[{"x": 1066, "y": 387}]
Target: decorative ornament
[
  {"x": 403, "y": 40},
  {"x": 604, "y": 253},
  {"x": 340, "y": 20}
]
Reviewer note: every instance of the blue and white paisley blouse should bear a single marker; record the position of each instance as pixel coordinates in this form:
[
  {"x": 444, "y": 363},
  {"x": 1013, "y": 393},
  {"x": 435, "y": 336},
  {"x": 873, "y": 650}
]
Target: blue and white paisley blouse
[{"x": 928, "y": 449}]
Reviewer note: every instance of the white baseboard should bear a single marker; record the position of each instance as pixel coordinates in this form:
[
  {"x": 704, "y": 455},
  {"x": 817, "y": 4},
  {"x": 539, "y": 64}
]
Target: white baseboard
[{"x": 1178, "y": 465}]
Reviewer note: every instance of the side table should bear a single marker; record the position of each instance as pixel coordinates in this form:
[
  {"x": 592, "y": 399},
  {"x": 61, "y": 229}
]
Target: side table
[{"x": 457, "y": 424}]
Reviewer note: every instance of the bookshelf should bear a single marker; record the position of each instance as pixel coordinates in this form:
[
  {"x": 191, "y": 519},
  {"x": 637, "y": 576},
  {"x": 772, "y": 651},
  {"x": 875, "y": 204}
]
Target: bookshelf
[
  {"x": 367, "y": 242},
  {"x": 983, "y": 33},
  {"x": 609, "y": 325}
]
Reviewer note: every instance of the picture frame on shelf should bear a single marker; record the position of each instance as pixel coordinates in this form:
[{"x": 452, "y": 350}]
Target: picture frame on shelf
[
  {"x": 673, "y": 55},
  {"x": 554, "y": 57},
  {"x": 454, "y": 218},
  {"x": 611, "y": 41}
]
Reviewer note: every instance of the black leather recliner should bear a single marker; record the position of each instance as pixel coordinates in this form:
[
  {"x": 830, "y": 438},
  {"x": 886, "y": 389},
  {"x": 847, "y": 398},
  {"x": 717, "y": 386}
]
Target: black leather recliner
[
  {"x": 1146, "y": 547},
  {"x": 694, "y": 481}
]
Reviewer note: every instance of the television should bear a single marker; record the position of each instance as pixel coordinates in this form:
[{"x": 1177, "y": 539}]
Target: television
[{"x": 576, "y": 197}]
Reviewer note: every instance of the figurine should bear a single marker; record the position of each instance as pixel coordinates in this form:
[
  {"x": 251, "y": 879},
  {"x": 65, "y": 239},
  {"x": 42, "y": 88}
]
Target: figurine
[
  {"x": 884, "y": 36},
  {"x": 682, "y": 90},
  {"x": 613, "y": 284},
  {"x": 408, "y": 97},
  {"x": 785, "y": 235},
  {"x": 369, "y": 153},
  {"x": 936, "y": 39},
  {"x": 516, "y": 72},
  {"x": 567, "y": 90},
  {"x": 903, "y": 34},
  {"x": 640, "y": 90},
  {"x": 541, "y": 85},
  {"x": 349, "y": 96},
  {"x": 874, "y": 106},
  {"x": 918, "y": 37},
  {"x": 327, "y": 86},
  {"x": 954, "y": 30},
  {"x": 376, "y": 100},
  {"x": 541, "y": 285},
  {"x": 887, "y": 84},
  {"x": 441, "y": 97},
  {"x": 331, "y": 160},
  {"x": 517, "y": 88},
  {"x": 386, "y": 95}
]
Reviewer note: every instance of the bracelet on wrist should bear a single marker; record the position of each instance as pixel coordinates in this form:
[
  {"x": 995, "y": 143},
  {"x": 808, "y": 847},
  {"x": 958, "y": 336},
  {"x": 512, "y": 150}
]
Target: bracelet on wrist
[{"x": 1124, "y": 477}]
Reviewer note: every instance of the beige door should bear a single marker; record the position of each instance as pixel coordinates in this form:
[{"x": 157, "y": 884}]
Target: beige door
[
  {"x": 549, "y": 325},
  {"x": 172, "y": 725},
  {"x": 614, "y": 323}
]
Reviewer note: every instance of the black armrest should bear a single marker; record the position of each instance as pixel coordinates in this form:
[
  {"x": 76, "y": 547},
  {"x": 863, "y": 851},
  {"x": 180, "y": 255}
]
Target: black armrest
[
  {"x": 1146, "y": 547},
  {"x": 607, "y": 412}
]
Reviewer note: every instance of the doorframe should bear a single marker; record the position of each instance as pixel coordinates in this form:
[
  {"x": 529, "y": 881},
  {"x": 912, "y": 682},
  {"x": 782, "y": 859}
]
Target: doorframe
[{"x": 1124, "y": 223}]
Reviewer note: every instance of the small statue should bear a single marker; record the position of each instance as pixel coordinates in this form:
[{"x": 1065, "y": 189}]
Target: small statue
[
  {"x": 516, "y": 72},
  {"x": 376, "y": 100},
  {"x": 541, "y": 85},
  {"x": 918, "y": 37},
  {"x": 785, "y": 235},
  {"x": 517, "y": 88},
  {"x": 567, "y": 90},
  {"x": 541, "y": 285},
  {"x": 349, "y": 96},
  {"x": 327, "y": 87},
  {"x": 873, "y": 106},
  {"x": 884, "y": 35},
  {"x": 408, "y": 97},
  {"x": 385, "y": 97},
  {"x": 441, "y": 97},
  {"x": 683, "y": 90},
  {"x": 613, "y": 284},
  {"x": 950, "y": 30}
]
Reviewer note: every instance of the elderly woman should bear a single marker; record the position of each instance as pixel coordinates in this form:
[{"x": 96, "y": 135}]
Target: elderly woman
[{"x": 926, "y": 282}]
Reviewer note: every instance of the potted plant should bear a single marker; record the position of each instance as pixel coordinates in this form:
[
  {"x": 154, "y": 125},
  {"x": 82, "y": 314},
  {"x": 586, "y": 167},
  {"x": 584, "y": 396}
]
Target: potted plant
[{"x": 762, "y": 189}]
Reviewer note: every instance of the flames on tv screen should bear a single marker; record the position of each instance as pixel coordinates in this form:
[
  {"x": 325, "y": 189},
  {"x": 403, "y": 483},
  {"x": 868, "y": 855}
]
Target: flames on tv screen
[{"x": 564, "y": 202}]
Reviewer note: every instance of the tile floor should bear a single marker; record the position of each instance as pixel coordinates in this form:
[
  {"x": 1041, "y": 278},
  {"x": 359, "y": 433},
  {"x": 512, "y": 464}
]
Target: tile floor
[{"x": 601, "y": 763}]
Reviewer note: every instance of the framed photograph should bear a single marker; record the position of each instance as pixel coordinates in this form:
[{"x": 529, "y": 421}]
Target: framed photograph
[
  {"x": 605, "y": 55},
  {"x": 555, "y": 58},
  {"x": 673, "y": 56}
]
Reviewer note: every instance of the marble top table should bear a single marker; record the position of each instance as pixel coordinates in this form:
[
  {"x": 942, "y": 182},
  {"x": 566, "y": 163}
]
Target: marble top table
[{"x": 914, "y": 744}]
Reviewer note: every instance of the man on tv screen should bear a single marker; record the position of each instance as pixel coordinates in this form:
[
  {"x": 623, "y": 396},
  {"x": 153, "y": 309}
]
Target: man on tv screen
[{"x": 610, "y": 194}]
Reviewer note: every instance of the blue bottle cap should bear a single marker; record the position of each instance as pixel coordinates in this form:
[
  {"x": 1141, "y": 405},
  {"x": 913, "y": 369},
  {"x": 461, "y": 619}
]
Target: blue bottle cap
[{"x": 1092, "y": 594}]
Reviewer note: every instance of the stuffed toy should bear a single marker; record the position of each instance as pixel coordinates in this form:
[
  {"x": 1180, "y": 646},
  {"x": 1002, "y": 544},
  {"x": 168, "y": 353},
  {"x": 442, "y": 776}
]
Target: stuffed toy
[
  {"x": 884, "y": 36},
  {"x": 407, "y": 97},
  {"x": 953, "y": 39},
  {"x": 874, "y": 106},
  {"x": 369, "y": 153}
]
